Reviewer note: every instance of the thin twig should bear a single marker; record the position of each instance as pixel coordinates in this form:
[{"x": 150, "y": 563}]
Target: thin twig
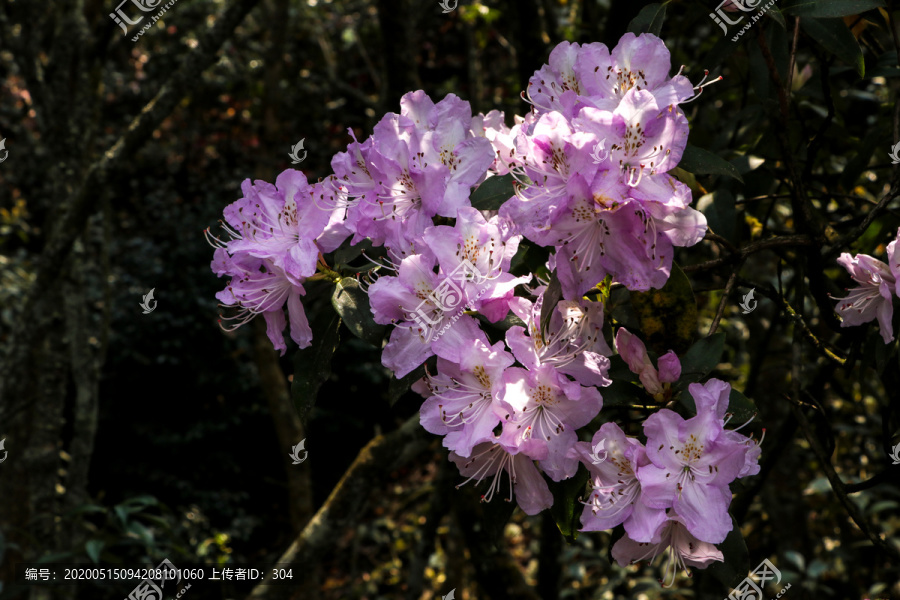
[{"x": 728, "y": 287}]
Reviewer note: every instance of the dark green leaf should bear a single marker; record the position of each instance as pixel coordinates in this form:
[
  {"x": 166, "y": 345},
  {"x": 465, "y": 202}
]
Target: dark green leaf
[
  {"x": 139, "y": 502},
  {"x": 721, "y": 214},
  {"x": 529, "y": 258},
  {"x": 775, "y": 14},
  {"x": 741, "y": 407},
  {"x": 668, "y": 316},
  {"x": 619, "y": 305},
  {"x": 398, "y": 387},
  {"x": 736, "y": 565},
  {"x": 828, "y": 8},
  {"x": 510, "y": 320},
  {"x": 701, "y": 359},
  {"x": 352, "y": 304},
  {"x": 566, "y": 509},
  {"x": 497, "y": 513},
  {"x": 491, "y": 194},
  {"x": 649, "y": 20},
  {"x": 552, "y": 296},
  {"x": 623, "y": 393},
  {"x": 835, "y": 37},
  {"x": 886, "y": 66},
  {"x": 703, "y": 162},
  {"x": 93, "y": 549},
  {"x": 138, "y": 530},
  {"x": 347, "y": 253},
  {"x": 619, "y": 371},
  {"x": 312, "y": 365}
]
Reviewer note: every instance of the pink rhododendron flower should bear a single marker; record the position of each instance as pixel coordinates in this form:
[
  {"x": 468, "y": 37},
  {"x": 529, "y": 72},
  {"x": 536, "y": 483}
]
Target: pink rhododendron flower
[
  {"x": 616, "y": 494},
  {"x": 461, "y": 403},
  {"x": 874, "y": 298},
  {"x": 525, "y": 481},
  {"x": 673, "y": 537}
]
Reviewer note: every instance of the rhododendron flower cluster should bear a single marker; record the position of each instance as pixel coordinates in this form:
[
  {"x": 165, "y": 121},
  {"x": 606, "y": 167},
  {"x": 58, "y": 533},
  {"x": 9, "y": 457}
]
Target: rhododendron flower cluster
[{"x": 590, "y": 164}]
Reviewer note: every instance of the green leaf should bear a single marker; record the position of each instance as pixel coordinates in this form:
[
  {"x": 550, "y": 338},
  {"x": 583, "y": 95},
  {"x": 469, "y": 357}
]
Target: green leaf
[
  {"x": 721, "y": 213},
  {"x": 828, "y": 8},
  {"x": 398, "y": 387},
  {"x": 737, "y": 559},
  {"x": 312, "y": 365},
  {"x": 703, "y": 162},
  {"x": 493, "y": 192},
  {"x": 668, "y": 316},
  {"x": 93, "y": 549},
  {"x": 497, "y": 513},
  {"x": 623, "y": 393},
  {"x": 552, "y": 296},
  {"x": 347, "y": 253},
  {"x": 566, "y": 507},
  {"x": 649, "y": 20},
  {"x": 138, "y": 530},
  {"x": 510, "y": 320},
  {"x": 741, "y": 407},
  {"x": 352, "y": 304},
  {"x": 122, "y": 513},
  {"x": 529, "y": 258},
  {"x": 836, "y": 37},
  {"x": 886, "y": 66},
  {"x": 775, "y": 14},
  {"x": 700, "y": 360},
  {"x": 139, "y": 502}
]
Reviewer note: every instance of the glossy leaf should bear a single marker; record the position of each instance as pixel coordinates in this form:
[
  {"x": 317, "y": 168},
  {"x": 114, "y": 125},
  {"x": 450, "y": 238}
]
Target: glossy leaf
[
  {"x": 552, "y": 296},
  {"x": 835, "y": 37},
  {"x": 623, "y": 393},
  {"x": 736, "y": 564},
  {"x": 701, "y": 359},
  {"x": 398, "y": 387},
  {"x": 312, "y": 365},
  {"x": 649, "y": 20},
  {"x": 491, "y": 194},
  {"x": 93, "y": 549},
  {"x": 828, "y": 8},
  {"x": 352, "y": 304},
  {"x": 703, "y": 162},
  {"x": 721, "y": 213},
  {"x": 566, "y": 509}
]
